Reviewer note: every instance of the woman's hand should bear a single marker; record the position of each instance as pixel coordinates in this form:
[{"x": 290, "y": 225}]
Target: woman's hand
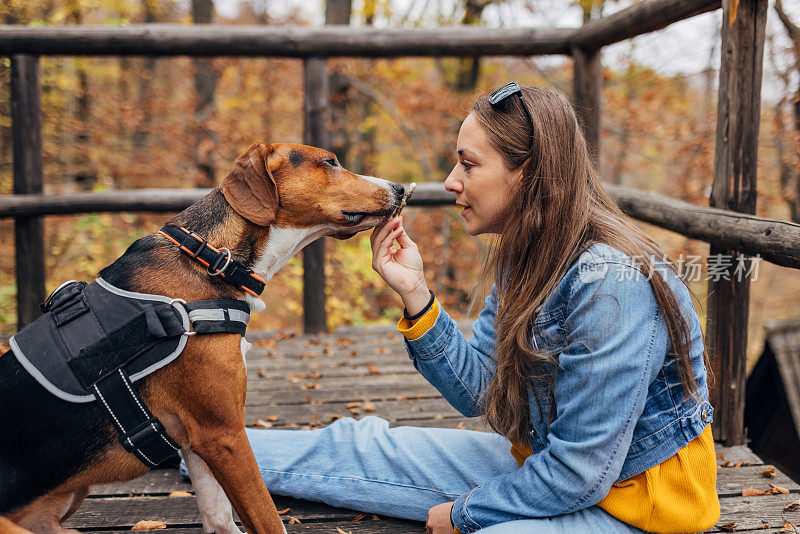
[
  {"x": 439, "y": 519},
  {"x": 400, "y": 268}
]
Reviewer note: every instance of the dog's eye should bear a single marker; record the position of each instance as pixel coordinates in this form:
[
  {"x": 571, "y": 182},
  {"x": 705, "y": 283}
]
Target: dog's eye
[{"x": 332, "y": 162}]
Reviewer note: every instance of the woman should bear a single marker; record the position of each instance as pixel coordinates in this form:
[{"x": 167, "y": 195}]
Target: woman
[{"x": 587, "y": 360}]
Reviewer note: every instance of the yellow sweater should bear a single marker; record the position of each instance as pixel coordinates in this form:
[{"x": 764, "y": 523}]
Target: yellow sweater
[{"x": 677, "y": 495}]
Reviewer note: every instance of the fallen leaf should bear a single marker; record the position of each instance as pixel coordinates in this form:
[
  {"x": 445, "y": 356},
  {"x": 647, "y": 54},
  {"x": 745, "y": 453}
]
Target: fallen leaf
[
  {"x": 769, "y": 472},
  {"x": 738, "y": 464},
  {"x": 788, "y": 527},
  {"x": 373, "y": 370},
  {"x": 261, "y": 424},
  {"x": 272, "y": 418},
  {"x": 180, "y": 494},
  {"x": 262, "y": 372},
  {"x": 340, "y": 531},
  {"x": 149, "y": 525},
  {"x": 293, "y": 521},
  {"x": 461, "y": 425},
  {"x": 355, "y": 411},
  {"x": 369, "y": 407},
  {"x": 765, "y": 526},
  {"x": 281, "y": 512},
  {"x": 285, "y": 335},
  {"x": 382, "y": 350},
  {"x": 335, "y": 417},
  {"x": 728, "y": 527},
  {"x": 721, "y": 457},
  {"x": 791, "y": 507},
  {"x": 311, "y": 385},
  {"x": 315, "y": 374},
  {"x": 752, "y": 492},
  {"x": 777, "y": 489},
  {"x": 294, "y": 377},
  {"x": 352, "y": 405},
  {"x": 359, "y": 517},
  {"x": 375, "y": 517}
]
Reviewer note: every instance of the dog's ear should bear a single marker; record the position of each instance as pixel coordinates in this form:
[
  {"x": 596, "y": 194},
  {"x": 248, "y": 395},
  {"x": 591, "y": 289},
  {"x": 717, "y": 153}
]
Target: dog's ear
[{"x": 250, "y": 188}]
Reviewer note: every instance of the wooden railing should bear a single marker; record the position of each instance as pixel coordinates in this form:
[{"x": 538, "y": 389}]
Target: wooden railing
[{"x": 729, "y": 225}]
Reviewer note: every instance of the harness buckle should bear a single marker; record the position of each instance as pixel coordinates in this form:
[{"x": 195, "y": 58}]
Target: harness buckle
[
  {"x": 187, "y": 322},
  {"x": 218, "y": 271}
]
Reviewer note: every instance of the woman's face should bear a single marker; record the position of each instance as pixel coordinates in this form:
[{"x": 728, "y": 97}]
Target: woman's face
[{"x": 480, "y": 180}]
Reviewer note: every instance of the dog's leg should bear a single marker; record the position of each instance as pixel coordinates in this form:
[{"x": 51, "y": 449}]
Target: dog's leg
[
  {"x": 215, "y": 508},
  {"x": 44, "y": 515},
  {"x": 75, "y": 502},
  {"x": 232, "y": 463},
  {"x": 9, "y": 527}
]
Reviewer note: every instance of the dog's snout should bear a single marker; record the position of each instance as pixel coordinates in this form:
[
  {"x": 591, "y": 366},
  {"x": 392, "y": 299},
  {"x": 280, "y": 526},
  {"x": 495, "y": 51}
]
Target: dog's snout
[{"x": 399, "y": 191}]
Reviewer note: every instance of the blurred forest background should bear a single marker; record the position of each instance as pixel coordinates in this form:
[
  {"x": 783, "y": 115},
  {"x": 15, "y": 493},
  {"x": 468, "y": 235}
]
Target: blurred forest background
[{"x": 126, "y": 123}]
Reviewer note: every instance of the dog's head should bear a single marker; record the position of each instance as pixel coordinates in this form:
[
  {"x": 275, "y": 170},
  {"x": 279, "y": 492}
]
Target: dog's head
[{"x": 300, "y": 186}]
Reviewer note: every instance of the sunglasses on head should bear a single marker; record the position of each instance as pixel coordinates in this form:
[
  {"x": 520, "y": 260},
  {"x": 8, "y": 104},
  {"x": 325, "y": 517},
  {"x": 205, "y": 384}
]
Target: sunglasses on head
[{"x": 508, "y": 90}]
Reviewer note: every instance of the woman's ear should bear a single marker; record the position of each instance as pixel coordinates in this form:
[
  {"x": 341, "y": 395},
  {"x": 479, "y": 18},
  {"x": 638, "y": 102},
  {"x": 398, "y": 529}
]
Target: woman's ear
[{"x": 249, "y": 186}]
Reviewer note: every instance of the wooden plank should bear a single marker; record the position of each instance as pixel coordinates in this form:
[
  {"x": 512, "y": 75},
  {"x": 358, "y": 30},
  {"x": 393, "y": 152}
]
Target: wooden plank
[
  {"x": 127, "y": 511},
  {"x": 734, "y": 188},
  {"x": 736, "y": 453},
  {"x": 754, "y": 512},
  {"x": 315, "y": 113},
  {"x": 280, "y": 41},
  {"x": 26, "y": 136},
  {"x": 640, "y": 18},
  {"x": 382, "y": 526},
  {"x": 155, "y": 482},
  {"x": 322, "y": 414},
  {"x": 587, "y": 86},
  {"x": 732, "y": 480}
]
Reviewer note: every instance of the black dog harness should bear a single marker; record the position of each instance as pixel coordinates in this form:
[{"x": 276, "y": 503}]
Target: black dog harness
[{"x": 96, "y": 340}]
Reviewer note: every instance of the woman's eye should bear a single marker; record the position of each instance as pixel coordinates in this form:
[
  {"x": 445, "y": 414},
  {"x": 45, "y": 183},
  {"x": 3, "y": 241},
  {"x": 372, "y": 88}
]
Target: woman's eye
[{"x": 467, "y": 166}]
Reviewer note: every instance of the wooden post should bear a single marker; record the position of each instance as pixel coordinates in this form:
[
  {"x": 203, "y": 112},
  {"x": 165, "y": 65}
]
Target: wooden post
[
  {"x": 316, "y": 133},
  {"x": 587, "y": 85},
  {"x": 734, "y": 188},
  {"x": 26, "y": 137}
]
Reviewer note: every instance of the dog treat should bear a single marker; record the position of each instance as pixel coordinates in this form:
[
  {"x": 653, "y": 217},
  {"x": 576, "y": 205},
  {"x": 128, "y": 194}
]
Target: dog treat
[{"x": 409, "y": 192}]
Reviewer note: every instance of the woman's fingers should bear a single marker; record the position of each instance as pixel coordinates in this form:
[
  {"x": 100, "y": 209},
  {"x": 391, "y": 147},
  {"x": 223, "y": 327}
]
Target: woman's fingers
[
  {"x": 379, "y": 233},
  {"x": 404, "y": 240}
]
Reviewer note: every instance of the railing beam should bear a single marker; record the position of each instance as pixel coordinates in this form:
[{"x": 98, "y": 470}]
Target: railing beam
[{"x": 26, "y": 137}]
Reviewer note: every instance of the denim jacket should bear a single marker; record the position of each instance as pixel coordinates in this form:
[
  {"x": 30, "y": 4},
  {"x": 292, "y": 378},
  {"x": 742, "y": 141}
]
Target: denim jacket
[{"x": 619, "y": 403}]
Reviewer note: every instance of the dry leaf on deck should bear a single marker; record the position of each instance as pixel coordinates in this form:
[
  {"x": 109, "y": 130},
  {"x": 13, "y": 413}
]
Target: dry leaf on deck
[
  {"x": 340, "y": 531},
  {"x": 180, "y": 494},
  {"x": 788, "y": 527},
  {"x": 369, "y": 407},
  {"x": 791, "y": 507},
  {"x": 149, "y": 525},
  {"x": 373, "y": 370},
  {"x": 262, "y": 372},
  {"x": 281, "y": 512},
  {"x": 359, "y": 517},
  {"x": 261, "y": 424},
  {"x": 293, "y": 521},
  {"x": 777, "y": 489},
  {"x": 769, "y": 472},
  {"x": 752, "y": 492},
  {"x": 352, "y": 405},
  {"x": 728, "y": 527},
  {"x": 272, "y": 418}
]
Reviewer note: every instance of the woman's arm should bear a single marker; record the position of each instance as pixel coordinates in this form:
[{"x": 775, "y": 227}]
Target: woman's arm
[
  {"x": 616, "y": 342},
  {"x": 458, "y": 368}
]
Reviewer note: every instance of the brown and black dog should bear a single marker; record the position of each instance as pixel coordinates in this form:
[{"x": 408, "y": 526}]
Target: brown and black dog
[{"x": 275, "y": 200}]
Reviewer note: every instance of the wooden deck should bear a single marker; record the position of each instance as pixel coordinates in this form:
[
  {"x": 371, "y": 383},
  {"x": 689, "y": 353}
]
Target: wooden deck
[{"x": 308, "y": 381}]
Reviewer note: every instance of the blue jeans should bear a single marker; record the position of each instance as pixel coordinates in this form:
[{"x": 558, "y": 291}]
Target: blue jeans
[{"x": 399, "y": 472}]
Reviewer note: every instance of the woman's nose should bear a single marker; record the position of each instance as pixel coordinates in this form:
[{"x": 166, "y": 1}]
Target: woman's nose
[{"x": 452, "y": 183}]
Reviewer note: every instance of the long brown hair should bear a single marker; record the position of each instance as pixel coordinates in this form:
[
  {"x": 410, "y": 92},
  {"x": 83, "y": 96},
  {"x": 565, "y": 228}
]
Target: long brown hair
[{"x": 543, "y": 233}]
